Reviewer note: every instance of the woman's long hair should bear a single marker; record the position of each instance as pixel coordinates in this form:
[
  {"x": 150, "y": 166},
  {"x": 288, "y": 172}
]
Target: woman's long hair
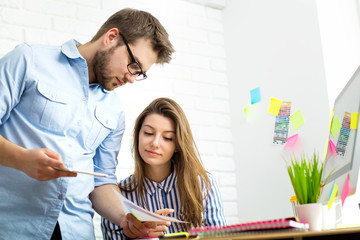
[{"x": 186, "y": 162}]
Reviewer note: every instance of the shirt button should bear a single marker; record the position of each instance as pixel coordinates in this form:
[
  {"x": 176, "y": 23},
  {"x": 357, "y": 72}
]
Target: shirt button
[
  {"x": 60, "y": 197},
  {"x": 78, "y": 123},
  {"x": 83, "y": 98}
]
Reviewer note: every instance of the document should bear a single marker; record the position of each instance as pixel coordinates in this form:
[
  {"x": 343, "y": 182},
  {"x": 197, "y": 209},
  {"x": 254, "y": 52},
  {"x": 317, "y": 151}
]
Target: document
[
  {"x": 142, "y": 214},
  {"x": 82, "y": 172}
]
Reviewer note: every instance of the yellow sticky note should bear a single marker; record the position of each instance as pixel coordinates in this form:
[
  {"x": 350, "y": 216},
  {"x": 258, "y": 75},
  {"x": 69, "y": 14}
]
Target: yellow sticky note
[
  {"x": 331, "y": 117},
  {"x": 354, "y": 120},
  {"x": 335, "y": 126},
  {"x": 296, "y": 119},
  {"x": 326, "y": 148},
  {"x": 333, "y": 195},
  {"x": 274, "y": 107}
]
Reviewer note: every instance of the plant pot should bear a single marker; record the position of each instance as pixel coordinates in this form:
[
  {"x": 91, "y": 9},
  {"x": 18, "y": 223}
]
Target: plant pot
[{"x": 311, "y": 213}]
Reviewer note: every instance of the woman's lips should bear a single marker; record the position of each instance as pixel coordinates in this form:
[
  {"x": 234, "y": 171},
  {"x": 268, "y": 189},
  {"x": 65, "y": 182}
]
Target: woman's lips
[{"x": 153, "y": 153}]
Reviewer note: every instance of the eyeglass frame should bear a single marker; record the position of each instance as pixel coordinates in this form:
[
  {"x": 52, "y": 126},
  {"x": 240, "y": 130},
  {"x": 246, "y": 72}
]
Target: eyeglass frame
[{"x": 133, "y": 61}]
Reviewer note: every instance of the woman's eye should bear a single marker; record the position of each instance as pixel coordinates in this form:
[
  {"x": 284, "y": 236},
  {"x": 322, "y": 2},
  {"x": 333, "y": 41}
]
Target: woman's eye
[
  {"x": 148, "y": 133},
  {"x": 168, "y": 139}
]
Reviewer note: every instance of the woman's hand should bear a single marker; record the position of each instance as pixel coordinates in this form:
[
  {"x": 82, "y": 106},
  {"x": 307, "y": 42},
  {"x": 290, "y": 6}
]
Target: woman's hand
[{"x": 161, "y": 228}]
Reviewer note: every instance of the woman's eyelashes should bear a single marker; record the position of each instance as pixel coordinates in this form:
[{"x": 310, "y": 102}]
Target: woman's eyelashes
[{"x": 164, "y": 137}]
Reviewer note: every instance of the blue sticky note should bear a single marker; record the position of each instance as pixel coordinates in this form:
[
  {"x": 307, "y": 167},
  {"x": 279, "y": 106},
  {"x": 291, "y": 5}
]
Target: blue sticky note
[
  {"x": 255, "y": 95},
  {"x": 332, "y": 189}
]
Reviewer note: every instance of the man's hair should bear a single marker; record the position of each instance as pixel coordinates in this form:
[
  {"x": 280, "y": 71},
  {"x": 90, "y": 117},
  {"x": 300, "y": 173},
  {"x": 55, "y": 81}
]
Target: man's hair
[{"x": 134, "y": 24}]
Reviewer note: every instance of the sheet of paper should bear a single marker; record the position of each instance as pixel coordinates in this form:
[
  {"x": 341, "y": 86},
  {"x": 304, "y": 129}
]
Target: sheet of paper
[
  {"x": 82, "y": 172},
  {"x": 274, "y": 107},
  {"x": 296, "y": 119},
  {"x": 142, "y": 214}
]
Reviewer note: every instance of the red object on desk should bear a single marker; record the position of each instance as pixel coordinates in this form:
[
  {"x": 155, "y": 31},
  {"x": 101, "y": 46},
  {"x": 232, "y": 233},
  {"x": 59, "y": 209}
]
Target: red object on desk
[{"x": 276, "y": 224}]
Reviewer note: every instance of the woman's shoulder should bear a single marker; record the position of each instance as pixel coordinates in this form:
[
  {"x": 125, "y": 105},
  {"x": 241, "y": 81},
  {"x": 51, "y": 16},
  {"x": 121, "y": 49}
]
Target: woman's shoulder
[{"x": 126, "y": 180}]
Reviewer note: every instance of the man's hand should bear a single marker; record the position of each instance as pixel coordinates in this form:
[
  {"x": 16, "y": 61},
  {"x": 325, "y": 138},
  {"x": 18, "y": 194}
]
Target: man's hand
[
  {"x": 133, "y": 228},
  {"x": 161, "y": 228},
  {"x": 39, "y": 164}
]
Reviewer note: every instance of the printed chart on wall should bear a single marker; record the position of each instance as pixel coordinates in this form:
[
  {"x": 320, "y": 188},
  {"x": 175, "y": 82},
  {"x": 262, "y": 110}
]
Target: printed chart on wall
[{"x": 282, "y": 124}]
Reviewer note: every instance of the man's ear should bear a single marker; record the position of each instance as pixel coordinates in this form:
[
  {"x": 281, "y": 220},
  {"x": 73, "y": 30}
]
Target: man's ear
[{"x": 111, "y": 37}]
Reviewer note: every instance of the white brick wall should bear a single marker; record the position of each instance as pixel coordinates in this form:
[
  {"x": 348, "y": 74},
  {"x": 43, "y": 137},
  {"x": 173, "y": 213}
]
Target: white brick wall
[{"x": 196, "y": 78}]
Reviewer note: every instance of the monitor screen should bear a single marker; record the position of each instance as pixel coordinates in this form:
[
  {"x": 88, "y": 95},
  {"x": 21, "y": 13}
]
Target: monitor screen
[{"x": 344, "y": 140}]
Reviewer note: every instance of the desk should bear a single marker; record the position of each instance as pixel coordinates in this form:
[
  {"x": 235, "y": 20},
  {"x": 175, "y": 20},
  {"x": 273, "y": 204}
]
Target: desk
[{"x": 345, "y": 233}]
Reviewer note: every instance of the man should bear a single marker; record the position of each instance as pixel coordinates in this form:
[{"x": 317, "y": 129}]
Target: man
[{"x": 58, "y": 110}]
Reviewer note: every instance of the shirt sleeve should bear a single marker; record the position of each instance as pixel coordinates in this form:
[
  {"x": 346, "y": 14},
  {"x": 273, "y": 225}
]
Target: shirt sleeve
[
  {"x": 214, "y": 209},
  {"x": 105, "y": 159},
  {"x": 14, "y": 68}
]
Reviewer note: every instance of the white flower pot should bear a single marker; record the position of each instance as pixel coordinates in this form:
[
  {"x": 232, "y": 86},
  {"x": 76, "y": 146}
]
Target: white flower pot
[{"x": 311, "y": 213}]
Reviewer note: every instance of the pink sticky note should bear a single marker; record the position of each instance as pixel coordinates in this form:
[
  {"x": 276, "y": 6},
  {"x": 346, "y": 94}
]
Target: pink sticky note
[
  {"x": 290, "y": 141},
  {"x": 345, "y": 191},
  {"x": 332, "y": 147}
]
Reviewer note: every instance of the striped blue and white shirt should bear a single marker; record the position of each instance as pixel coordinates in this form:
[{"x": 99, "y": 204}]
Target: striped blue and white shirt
[{"x": 166, "y": 195}]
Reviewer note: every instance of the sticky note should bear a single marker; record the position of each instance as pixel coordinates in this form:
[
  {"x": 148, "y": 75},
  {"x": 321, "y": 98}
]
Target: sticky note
[
  {"x": 296, "y": 119},
  {"x": 345, "y": 191},
  {"x": 331, "y": 190},
  {"x": 331, "y": 118},
  {"x": 332, "y": 147},
  {"x": 335, "y": 126},
  {"x": 290, "y": 141},
  {"x": 354, "y": 120},
  {"x": 326, "y": 148},
  {"x": 255, "y": 95},
  {"x": 333, "y": 195},
  {"x": 249, "y": 111},
  {"x": 274, "y": 107}
]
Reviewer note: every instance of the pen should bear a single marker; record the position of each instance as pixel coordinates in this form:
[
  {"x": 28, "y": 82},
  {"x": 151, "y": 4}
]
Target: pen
[{"x": 175, "y": 235}]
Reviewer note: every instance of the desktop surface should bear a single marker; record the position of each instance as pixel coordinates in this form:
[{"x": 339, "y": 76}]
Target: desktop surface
[{"x": 342, "y": 233}]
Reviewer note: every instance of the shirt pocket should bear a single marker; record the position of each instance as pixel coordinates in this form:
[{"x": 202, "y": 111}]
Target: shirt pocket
[
  {"x": 104, "y": 122},
  {"x": 50, "y": 108}
]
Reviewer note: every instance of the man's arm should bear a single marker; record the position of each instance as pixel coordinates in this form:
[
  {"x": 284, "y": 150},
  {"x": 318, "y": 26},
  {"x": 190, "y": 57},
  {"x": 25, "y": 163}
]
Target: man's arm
[
  {"x": 107, "y": 204},
  {"x": 36, "y": 163}
]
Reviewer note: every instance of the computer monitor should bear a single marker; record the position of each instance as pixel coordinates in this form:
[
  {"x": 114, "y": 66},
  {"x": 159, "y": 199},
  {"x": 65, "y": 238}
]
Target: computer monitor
[{"x": 346, "y": 161}]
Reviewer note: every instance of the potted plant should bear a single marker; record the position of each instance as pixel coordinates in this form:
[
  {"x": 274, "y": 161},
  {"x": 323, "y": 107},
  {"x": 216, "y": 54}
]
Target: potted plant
[{"x": 305, "y": 174}]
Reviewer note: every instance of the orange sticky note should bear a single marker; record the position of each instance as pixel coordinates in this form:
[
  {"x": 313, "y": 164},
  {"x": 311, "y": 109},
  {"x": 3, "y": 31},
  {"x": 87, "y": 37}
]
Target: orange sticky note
[
  {"x": 296, "y": 119},
  {"x": 335, "y": 126},
  {"x": 290, "y": 141},
  {"x": 345, "y": 191},
  {"x": 275, "y": 105},
  {"x": 354, "y": 120},
  {"x": 333, "y": 195}
]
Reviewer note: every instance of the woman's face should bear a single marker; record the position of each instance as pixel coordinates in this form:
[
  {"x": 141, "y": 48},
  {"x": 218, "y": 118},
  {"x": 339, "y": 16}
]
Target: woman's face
[{"x": 157, "y": 141}]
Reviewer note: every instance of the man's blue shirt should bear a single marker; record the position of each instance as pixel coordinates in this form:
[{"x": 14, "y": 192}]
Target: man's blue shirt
[{"x": 46, "y": 102}]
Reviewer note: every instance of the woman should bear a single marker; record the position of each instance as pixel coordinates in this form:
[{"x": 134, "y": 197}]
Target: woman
[{"x": 171, "y": 175}]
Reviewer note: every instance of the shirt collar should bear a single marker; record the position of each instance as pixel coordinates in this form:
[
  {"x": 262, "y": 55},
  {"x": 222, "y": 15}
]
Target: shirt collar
[
  {"x": 167, "y": 184},
  {"x": 69, "y": 48}
]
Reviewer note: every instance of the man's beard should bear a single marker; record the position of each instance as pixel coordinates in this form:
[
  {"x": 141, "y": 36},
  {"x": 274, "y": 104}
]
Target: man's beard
[{"x": 100, "y": 61}]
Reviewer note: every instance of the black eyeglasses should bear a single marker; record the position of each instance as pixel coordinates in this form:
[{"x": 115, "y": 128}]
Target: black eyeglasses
[{"x": 134, "y": 67}]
